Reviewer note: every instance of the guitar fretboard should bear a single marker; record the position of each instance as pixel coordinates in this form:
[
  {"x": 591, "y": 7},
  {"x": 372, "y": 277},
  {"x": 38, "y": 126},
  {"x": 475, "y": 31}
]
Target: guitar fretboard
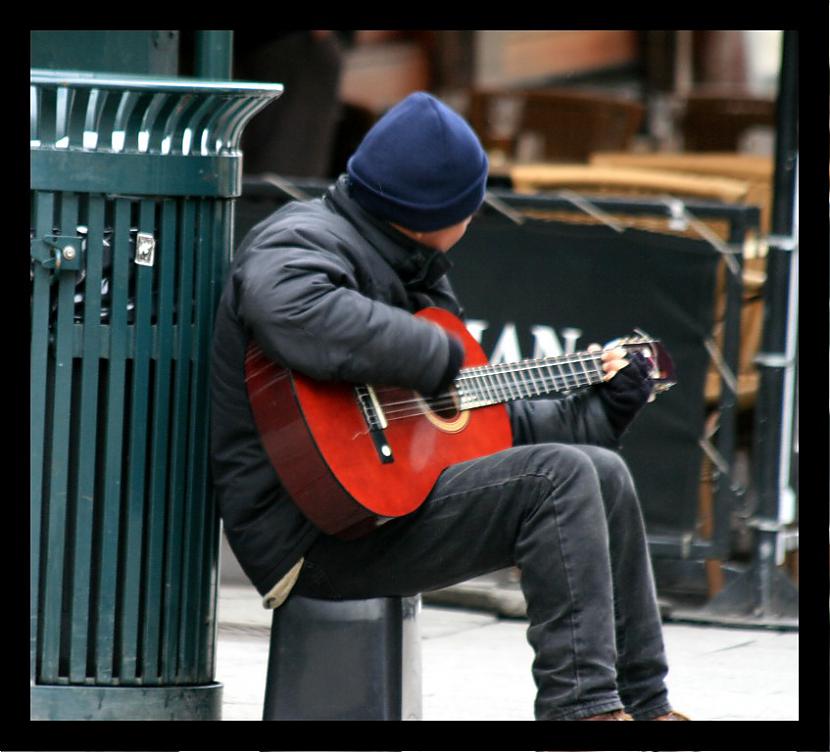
[{"x": 503, "y": 382}]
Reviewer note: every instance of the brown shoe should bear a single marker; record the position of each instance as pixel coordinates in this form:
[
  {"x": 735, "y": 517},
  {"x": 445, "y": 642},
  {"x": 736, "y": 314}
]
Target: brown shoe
[
  {"x": 614, "y": 715},
  {"x": 672, "y": 715}
]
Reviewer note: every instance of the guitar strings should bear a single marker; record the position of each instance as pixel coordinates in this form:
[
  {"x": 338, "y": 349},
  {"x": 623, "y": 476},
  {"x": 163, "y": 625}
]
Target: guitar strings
[
  {"x": 508, "y": 369},
  {"x": 525, "y": 387},
  {"x": 505, "y": 370},
  {"x": 448, "y": 399},
  {"x": 503, "y": 389},
  {"x": 482, "y": 390},
  {"x": 506, "y": 390}
]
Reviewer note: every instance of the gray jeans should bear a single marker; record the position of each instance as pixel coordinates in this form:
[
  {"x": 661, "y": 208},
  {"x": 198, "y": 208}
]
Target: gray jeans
[{"x": 568, "y": 516}]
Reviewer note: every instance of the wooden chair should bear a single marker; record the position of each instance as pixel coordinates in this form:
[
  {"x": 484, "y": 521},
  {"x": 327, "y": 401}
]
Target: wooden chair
[
  {"x": 622, "y": 181},
  {"x": 717, "y": 121},
  {"x": 564, "y": 125},
  {"x": 754, "y": 169}
]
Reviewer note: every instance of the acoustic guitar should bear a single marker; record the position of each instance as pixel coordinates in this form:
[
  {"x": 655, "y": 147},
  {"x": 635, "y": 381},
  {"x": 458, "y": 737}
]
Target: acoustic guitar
[{"x": 354, "y": 456}]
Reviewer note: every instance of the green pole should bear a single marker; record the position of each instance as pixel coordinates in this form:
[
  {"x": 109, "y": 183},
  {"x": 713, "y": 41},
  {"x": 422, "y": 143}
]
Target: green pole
[{"x": 214, "y": 53}]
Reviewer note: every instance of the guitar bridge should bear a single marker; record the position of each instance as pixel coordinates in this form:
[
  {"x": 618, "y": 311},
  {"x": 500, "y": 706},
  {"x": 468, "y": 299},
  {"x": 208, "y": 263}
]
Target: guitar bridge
[{"x": 375, "y": 421}]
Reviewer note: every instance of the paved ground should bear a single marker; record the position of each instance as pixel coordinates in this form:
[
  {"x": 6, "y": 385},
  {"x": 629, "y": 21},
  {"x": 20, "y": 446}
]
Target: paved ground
[{"x": 476, "y": 665}]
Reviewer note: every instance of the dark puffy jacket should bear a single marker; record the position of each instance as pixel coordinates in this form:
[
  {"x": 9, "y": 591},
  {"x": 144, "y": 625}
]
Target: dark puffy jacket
[{"x": 327, "y": 290}]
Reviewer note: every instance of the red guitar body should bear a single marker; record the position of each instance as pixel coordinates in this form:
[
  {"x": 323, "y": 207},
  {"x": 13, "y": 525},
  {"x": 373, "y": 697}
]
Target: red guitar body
[{"x": 317, "y": 438}]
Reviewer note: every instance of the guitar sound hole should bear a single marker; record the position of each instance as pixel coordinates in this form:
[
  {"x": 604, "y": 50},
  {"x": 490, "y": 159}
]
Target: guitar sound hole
[{"x": 445, "y": 405}]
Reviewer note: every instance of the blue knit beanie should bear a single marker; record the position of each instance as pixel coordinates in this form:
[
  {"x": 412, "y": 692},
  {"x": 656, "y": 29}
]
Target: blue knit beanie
[{"x": 420, "y": 166}]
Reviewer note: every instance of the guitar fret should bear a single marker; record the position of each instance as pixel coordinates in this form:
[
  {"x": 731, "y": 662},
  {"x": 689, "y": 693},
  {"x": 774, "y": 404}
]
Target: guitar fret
[
  {"x": 573, "y": 376},
  {"x": 566, "y": 385},
  {"x": 510, "y": 382},
  {"x": 531, "y": 382},
  {"x": 585, "y": 371},
  {"x": 477, "y": 388},
  {"x": 482, "y": 391},
  {"x": 566, "y": 376},
  {"x": 550, "y": 380},
  {"x": 516, "y": 384},
  {"x": 553, "y": 376},
  {"x": 578, "y": 373},
  {"x": 492, "y": 384},
  {"x": 485, "y": 389},
  {"x": 462, "y": 388},
  {"x": 482, "y": 385},
  {"x": 504, "y": 387},
  {"x": 591, "y": 366},
  {"x": 599, "y": 374},
  {"x": 515, "y": 378},
  {"x": 594, "y": 372},
  {"x": 541, "y": 376},
  {"x": 510, "y": 378}
]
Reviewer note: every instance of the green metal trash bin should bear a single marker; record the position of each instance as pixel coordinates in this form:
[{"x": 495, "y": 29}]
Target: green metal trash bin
[{"x": 133, "y": 181}]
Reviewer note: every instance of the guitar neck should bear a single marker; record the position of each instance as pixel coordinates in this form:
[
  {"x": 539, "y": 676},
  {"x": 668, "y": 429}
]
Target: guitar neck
[{"x": 503, "y": 382}]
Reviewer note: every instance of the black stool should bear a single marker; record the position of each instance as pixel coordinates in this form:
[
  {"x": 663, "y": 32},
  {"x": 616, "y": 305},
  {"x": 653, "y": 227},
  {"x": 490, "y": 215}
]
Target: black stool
[{"x": 344, "y": 660}]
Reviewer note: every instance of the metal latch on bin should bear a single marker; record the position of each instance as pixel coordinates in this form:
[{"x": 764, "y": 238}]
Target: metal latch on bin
[{"x": 58, "y": 252}]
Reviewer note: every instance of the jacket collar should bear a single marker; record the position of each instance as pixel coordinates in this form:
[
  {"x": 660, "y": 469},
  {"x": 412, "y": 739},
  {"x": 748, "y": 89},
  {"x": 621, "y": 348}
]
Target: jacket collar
[{"x": 416, "y": 264}]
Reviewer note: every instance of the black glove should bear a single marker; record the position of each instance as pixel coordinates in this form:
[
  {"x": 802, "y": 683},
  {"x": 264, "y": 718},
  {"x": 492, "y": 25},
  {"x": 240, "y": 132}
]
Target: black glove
[{"x": 625, "y": 394}]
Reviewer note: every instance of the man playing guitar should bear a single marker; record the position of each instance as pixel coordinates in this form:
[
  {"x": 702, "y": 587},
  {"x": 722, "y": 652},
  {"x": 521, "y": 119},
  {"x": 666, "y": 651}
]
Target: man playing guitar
[{"x": 328, "y": 290}]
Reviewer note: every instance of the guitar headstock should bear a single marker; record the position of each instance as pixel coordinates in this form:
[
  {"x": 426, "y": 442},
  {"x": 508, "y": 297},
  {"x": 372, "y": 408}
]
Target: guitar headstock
[{"x": 661, "y": 366}]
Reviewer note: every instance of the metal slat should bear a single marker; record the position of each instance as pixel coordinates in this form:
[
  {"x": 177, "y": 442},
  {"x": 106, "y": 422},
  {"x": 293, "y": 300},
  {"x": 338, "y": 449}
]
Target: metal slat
[
  {"x": 155, "y": 121},
  {"x": 198, "y": 119},
  {"x": 243, "y": 118},
  {"x": 179, "y": 120},
  {"x": 166, "y": 256},
  {"x": 59, "y": 460},
  {"x": 104, "y": 123},
  {"x": 137, "y": 456},
  {"x": 87, "y": 438},
  {"x": 207, "y": 648},
  {"x": 43, "y": 222},
  {"x": 179, "y": 447},
  {"x": 133, "y": 122},
  {"x": 76, "y": 116},
  {"x": 34, "y": 114},
  {"x": 64, "y": 99},
  {"x": 188, "y": 628},
  {"x": 193, "y": 601},
  {"x": 46, "y": 116},
  {"x": 221, "y": 242},
  {"x": 217, "y": 221},
  {"x": 221, "y": 126},
  {"x": 218, "y": 215},
  {"x": 109, "y": 532}
]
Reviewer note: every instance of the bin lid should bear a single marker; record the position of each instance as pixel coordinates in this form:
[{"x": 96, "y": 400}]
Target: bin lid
[
  {"x": 144, "y": 135},
  {"x": 134, "y": 82}
]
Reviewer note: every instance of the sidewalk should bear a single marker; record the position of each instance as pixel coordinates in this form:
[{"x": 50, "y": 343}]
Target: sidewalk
[{"x": 476, "y": 665}]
